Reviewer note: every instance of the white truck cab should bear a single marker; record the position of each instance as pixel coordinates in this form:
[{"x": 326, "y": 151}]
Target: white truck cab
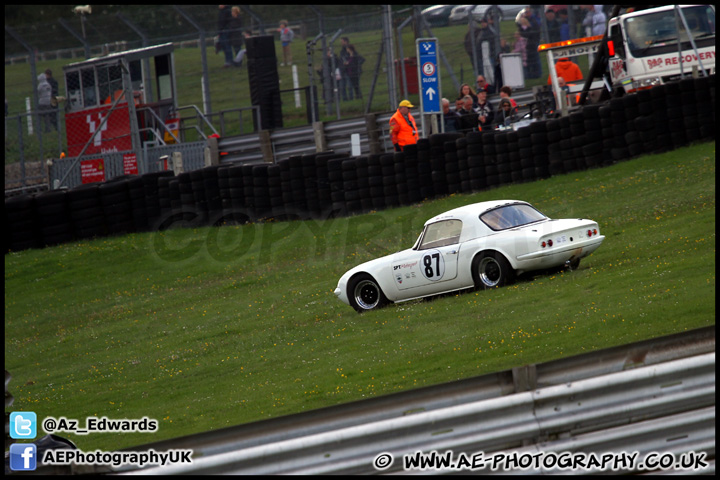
[{"x": 658, "y": 45}]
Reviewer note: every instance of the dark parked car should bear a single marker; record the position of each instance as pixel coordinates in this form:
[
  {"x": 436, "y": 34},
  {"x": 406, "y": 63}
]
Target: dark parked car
[{"x": 437, "y": 15}]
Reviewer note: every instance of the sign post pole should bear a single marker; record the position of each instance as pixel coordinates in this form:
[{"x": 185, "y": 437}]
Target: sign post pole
[{"x": 429, "y": 78}]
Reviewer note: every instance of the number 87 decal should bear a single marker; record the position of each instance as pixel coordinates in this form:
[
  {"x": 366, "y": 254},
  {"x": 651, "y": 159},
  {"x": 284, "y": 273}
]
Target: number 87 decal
[{"x": 433, "y": 265}]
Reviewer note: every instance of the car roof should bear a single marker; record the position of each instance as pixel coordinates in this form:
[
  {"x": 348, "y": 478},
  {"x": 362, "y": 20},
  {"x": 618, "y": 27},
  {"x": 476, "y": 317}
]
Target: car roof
[{"x": 472, "y": 211}]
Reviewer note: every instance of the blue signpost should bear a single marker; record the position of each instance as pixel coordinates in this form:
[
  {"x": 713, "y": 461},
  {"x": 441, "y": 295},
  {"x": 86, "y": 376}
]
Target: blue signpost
[{"x": 429, "y": 76}]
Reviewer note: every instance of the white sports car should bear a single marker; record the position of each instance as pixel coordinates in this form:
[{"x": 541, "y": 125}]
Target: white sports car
[{"x": 483, "y": 245}]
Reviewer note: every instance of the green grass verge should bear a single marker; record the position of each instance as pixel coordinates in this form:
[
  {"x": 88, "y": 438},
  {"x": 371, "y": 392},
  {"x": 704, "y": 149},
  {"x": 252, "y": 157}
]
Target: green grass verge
[{"x": 212, "y": 327}]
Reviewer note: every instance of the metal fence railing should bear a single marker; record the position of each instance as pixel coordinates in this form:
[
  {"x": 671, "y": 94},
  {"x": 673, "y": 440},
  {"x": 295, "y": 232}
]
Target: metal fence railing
[{"x": 655, "y": 396}]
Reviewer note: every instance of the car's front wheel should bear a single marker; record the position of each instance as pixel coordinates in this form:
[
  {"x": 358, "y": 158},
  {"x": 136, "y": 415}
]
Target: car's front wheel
[
  {"x": 491, "y": 270},
  {"x": 365, "y": 294}
]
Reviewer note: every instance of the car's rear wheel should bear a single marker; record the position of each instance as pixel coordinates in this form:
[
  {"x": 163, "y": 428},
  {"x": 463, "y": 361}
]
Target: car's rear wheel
[
  {"x": 365, "y": 294},
  {"x": 491, "y": 270}
]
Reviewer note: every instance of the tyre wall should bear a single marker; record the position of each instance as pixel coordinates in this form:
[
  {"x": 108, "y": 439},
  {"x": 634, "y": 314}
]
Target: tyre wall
[{"x": 327, "y": 184}]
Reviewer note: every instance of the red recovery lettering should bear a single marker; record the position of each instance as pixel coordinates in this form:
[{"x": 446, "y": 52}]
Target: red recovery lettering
[{"x": 687, "y": 58}]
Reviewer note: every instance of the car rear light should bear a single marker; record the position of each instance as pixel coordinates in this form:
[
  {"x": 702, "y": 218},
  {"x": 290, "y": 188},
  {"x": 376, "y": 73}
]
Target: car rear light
[{"x": 592, "y": 232}]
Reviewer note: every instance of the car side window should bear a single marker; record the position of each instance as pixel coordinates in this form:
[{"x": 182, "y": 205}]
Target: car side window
[{"x": 441, "y": 234}]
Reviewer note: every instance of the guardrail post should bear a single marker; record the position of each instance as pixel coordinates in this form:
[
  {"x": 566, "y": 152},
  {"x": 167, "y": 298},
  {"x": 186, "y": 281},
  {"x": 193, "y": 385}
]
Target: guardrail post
[
  {"x": 266, "y": 146},
  {"x": 212, "y": 152},
  {"x": 177, "y": 163},
  {"x": 372, "y": 133},
  {"x": 319, "y": 134},
  {"x": 524, "y": 378}
]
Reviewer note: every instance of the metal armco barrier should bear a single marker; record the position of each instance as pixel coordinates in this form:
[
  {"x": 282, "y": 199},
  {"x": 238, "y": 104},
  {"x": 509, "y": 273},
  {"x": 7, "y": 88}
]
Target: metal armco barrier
[{"x": 652, "y": 396}]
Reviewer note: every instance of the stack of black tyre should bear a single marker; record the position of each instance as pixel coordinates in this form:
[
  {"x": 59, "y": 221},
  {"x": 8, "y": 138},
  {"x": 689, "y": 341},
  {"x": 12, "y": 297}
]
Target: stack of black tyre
[
  {"x": 326, "y": 183},
  {"x": 411, "y": 176},
  {"x": 502, "y": 159},
  {"x": 261, "y": 192},
  {"x": 351, "y": 196},
  {"x": 152, "y": 200},
  {"x": 53, "y": 216},
  {"x": 376, "y": 182},
  {"x": 115, "y": 201},
  {"x": 606, "y": 131},
  {"x": 21, "y": 223},
  {"x": 86, "y": 213},
  {"x": 390, "y": 193},
  {"x": 452, "y": 165},
  {"x": 424, "y": 169},
  {"x": 475, "y": 161},
  {"x": 138, "y": 210},
  {"x": 336, "y": 185}
]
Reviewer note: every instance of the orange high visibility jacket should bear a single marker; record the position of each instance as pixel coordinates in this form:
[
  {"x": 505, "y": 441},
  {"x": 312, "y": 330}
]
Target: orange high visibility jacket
[
  {"x": 402, "y": 132},
  {"x": 568, "y": 70}
]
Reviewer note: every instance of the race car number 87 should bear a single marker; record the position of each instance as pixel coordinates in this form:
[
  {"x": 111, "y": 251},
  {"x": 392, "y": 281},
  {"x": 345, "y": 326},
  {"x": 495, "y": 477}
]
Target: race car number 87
[{"x": 433, "y": 266}]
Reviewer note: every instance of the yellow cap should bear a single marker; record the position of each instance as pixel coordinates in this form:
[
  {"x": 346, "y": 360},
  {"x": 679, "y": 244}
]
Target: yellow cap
[{"x": 406, "y": 103}]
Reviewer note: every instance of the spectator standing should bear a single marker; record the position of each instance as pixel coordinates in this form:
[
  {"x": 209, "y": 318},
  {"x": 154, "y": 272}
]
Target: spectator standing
[
  {"x": 327, "y": 68},
  {"x": 53, "y": 100},
  {"x": 450, "y": 119},
  {"x": 468, "y": 115},
  {"x": 530, "y": 29},
  {"x": 224, "y": 20},
  {"x": 353, "y": 69},
  {"x": 403, "y": 130},
  {"x": 483, "y": 34},
  {"x": 483, "y": 85},
  {"x": 466, "y": 90},
  {"x": 484, "y": 111},
  {"x": 564, "y": 24},
  {"x": 521, "y": 48},
  {"x": 44, "y": 91},
  {"x": 595, "y": 20},
  {"x": 286, "y": 37},
  {"x": 344, "y": 85},
  {"x": 553, "y": 26},
  {"x": 236, "y": 33}
]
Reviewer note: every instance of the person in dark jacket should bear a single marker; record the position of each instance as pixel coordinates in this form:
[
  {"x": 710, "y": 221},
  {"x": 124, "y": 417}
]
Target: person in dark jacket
[
  {"x": 468, "y": 116},
  {"x": 506, "y": 114},
  {"x": 353, "y": 69},
  {"x": 236, "y": 33},
  {"x": 224, "y": 20},
  {"x": 485, "y": 112}
]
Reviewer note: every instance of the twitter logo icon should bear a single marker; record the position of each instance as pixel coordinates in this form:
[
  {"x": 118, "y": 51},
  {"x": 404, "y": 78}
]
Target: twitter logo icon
[{"x": 23, "y": 425}]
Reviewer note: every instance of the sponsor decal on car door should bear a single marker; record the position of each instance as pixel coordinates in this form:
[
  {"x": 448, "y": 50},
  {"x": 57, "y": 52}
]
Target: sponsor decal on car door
[{"x": 426, "y": 268}]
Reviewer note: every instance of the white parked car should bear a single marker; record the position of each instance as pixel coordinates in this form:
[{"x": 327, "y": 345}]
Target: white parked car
[
  {"x": 483, "y": 245},
  {"x": 459, "y": 14}
]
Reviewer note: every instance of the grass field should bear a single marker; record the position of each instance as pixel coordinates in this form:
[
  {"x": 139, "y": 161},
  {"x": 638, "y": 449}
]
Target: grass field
[{"x": 212, "y": 327}]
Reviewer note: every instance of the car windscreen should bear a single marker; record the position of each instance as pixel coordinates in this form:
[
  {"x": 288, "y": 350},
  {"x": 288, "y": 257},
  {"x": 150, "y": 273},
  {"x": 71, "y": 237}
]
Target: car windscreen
[
  {"x": 441, "y": 234},
  {"x": 657, "y": 33},
  {"x": 511, "y": 216}
]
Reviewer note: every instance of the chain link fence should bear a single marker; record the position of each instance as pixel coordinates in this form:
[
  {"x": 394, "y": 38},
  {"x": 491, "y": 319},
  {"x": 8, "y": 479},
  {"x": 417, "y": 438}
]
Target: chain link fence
[{"x": 315, "y": 87}]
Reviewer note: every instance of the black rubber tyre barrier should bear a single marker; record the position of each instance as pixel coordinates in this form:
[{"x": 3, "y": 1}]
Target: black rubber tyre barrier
[{"x": 21, "y": 231}]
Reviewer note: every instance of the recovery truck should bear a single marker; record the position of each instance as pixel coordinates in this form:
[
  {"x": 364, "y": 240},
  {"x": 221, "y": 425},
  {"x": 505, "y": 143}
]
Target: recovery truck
[
  {"x": 660, "y": 45},
  {"x": 643, "y": 46}
]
